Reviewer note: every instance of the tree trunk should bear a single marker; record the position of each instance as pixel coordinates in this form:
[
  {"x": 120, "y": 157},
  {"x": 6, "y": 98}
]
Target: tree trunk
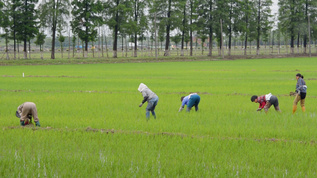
[
  {"x": 221, "y": 45},
  {"x": 210, "y": 29},
  {"x": 7, "y": 50},
  {"x": 29, "y": 49},
  {"x": 41, "y": 50},
  {"x": 106, "y": 46},
  {"x": 54, "y": 29},
  {"x": 68, "y": 44},
  {"x": 102, "y": 34},
  {"x": 156, "y": 52},
  {"x": 183, "y": 31},
  {"x": 168, "y": 28},
  {"x": 62, "y": 50},
  {"x": 25, "y": 49}
]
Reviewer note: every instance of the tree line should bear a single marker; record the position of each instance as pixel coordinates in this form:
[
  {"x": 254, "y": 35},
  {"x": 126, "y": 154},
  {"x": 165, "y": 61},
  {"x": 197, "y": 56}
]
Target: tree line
[{"x": 161, "y": 20}]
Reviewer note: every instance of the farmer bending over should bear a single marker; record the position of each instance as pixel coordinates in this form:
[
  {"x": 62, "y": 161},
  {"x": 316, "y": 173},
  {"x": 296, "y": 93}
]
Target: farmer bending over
[
  {"x": 190, "y": 100},
  {"x": 25, "y": 112},
  {"x": 150, "y": 97},
  {"x": 266, "y": 101}
]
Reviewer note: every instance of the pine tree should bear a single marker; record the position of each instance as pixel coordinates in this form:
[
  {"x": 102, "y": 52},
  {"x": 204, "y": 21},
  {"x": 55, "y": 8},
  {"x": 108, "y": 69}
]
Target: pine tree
[
  {"x": 53, "y": 13},
  {"x": 168, "y": 16},
  {"x": 138, "y": 23},
  {"x": 86, "y": 17},
  {"x": 289, "y": 17},
  {"x": 5, "y": 23},
  {"x": 117, "y": 15},
  {"x": 206, "y": 21},
  {"x": 40, "y": 40},
  {"x": 263, "y": 20},
  {"x": 26, "y": 23}
]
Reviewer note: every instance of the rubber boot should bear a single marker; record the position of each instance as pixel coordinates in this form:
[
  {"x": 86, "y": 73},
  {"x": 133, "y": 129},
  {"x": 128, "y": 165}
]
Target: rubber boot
[
  {"x": 294, "y": 108},
  {"x": 303, "y": 108},
  {"x": 37, "y": 123}
]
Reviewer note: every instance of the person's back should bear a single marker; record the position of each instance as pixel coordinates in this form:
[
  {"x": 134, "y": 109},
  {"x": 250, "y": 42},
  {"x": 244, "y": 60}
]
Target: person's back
[
  {"x": 25, "y": 110},
  {"x": 149, "y": 93}
]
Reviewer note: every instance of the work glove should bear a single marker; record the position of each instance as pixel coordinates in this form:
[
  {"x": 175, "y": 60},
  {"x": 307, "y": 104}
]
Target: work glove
[
  {"x": 259, "y": 109},
  {"x": 180, "y": 109},
  {"x": 37, "y": 123},
  {"x": 22, "y": 123},
  {"x": 141, "y": 105}
]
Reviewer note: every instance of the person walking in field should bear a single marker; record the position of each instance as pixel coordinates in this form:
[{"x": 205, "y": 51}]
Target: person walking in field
[
  {"x": 25, "y": 112},
  {"x": 266, "y": 101},
  {"x": 301, "y": 90},
  {"x": 150, "y": 97},
  {"x": 191, "y": 100}
]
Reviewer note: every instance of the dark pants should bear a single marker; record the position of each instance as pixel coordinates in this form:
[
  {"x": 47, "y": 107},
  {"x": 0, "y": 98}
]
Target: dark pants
[{"x": 273, "y": 101}]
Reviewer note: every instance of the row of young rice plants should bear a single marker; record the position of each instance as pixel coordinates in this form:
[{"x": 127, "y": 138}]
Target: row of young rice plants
[
  {"x": 79, "y": 104},
  {"x": 65, "y": 153}
]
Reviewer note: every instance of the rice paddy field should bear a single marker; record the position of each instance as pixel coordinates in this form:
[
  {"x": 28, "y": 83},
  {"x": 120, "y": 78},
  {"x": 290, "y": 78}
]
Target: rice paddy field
[{"x": 92, "y": 126}]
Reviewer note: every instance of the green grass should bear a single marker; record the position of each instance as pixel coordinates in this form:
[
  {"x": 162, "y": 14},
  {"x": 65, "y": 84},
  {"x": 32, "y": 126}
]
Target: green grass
[{"x": 92, "y": 125}]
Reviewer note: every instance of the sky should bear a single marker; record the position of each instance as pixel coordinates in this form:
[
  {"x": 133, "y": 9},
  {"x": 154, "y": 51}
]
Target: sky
[{"x": 274, "y": 7}]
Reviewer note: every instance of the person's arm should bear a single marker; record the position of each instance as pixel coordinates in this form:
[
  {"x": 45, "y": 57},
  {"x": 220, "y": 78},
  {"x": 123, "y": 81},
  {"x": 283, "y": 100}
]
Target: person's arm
[
  {"x": 20, "y": 109},
  {"x": 145, "y": 97},
  {"x": 184, "y": 102},
  {"x": 261, "y": 106},
  {"x": 300, "y": 85}
]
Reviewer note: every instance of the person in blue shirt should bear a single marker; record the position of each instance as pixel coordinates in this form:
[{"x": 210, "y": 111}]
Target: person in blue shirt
[{"x": 191, "y": 100}]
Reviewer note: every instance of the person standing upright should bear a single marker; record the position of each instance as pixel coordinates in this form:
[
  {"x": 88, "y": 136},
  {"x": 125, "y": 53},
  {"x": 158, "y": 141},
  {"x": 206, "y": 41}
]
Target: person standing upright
[{"x": 301, "y": 90}]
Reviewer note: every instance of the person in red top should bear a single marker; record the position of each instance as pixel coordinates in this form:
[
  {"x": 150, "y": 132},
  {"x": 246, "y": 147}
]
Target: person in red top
[{"x": 266, "y": 101}]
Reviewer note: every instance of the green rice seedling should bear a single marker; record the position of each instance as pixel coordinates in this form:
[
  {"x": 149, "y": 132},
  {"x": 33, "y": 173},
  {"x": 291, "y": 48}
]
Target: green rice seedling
[{"x": 92, "y": 125}]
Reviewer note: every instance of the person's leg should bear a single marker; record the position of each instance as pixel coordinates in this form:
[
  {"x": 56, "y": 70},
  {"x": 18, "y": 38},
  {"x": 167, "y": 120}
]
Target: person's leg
[
  {"x": 149, "y": 108},
  {"x": 277, "y": 107},
  {"x": 267, "y": 106},
  {"x": 154, "y": 106},
  {"x": 302, "y": 101},
  {"x": 274, "y": 102},
  {"x": 197, "y": 102},
  {"x": 34, "y": 113},
  {"x": 190, "y": 104},
  {"x": 296, "y": 100}
]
